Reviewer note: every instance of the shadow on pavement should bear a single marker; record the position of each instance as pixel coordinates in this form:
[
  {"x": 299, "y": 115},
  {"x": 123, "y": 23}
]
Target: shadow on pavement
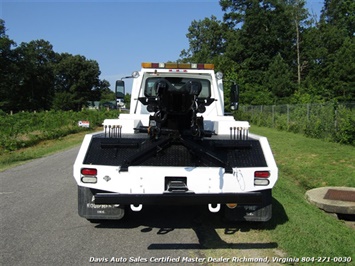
[{"x": 204, "y": 223}]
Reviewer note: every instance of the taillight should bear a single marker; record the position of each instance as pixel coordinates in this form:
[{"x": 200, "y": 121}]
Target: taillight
[
  {"x": 89, "y": 175},
  {"x": 262, "y": 174},
  {"x": 89, "y": 171},
  {"x": 260, "y": 178}
]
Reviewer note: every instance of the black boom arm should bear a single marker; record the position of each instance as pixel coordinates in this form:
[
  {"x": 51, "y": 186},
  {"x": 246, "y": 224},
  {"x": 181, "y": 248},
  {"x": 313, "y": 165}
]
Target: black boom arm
[{"x": 176, "y": 109}]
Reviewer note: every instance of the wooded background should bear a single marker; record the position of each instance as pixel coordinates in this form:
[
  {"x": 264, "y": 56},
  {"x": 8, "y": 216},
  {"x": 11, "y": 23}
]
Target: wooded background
[
  {"x": 275, "y": 50},
  {"x": 278, "y": 52}
]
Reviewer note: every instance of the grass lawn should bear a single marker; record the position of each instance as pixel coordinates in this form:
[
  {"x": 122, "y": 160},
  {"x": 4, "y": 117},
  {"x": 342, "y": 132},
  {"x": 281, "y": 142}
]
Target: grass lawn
[
  {"x": 301, "y": 229},
  {"x": 10, "y": 159}
]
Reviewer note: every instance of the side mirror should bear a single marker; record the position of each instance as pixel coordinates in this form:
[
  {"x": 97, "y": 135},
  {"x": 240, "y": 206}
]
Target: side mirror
[
  {"x": 119, "y": 90},
  {"x": 234, "y": 97}
]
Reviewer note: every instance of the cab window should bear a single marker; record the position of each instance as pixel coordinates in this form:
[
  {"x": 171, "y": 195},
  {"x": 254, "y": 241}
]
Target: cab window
[{"x": 178, "y": 83}]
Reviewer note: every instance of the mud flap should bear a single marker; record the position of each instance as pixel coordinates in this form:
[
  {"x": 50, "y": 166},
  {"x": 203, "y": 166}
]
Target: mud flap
[
  {"x": 91, "y": 211},
  {"x": 252, "y": 213}
]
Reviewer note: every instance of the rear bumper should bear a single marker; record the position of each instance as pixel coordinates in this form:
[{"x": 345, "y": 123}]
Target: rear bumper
[{"x": 187, "y": 198}]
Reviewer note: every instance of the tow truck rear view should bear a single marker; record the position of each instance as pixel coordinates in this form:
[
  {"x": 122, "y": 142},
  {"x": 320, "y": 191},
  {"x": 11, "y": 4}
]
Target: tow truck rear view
[{"x": 175, "y": 147}]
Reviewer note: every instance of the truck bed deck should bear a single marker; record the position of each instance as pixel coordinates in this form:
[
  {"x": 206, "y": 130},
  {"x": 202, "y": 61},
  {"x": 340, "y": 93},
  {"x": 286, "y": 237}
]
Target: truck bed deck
[{"x": 137, "y": 149}]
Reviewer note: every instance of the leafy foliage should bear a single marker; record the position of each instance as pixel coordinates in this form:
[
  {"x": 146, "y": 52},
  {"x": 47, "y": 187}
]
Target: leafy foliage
[
  {"x": 34, "y": 77},
  {"x": 206, "y": 40},
  {"x": 25, "y": 129},
  {"x": 278, "y": 51},
  {"x": 331, "y": 121},
  {"x": 75, "y": 78}
]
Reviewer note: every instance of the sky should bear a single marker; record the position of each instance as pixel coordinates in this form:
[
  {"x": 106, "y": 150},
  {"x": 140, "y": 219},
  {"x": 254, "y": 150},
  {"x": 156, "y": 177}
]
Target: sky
[{"x": 118, "y": 34}]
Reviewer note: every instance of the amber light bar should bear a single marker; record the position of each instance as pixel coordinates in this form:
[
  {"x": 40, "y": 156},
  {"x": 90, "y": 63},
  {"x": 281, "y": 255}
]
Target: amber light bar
[{"x": 177, "y": 65}]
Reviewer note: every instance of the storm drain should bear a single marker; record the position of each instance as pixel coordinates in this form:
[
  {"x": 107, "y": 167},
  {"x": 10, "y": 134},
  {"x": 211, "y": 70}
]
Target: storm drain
[
  {"x": 333, "y": 199},
  {"x": 343, "y": 195}
]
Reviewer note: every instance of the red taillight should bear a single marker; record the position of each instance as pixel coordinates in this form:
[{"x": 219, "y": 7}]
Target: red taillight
[
  {"x": 262, "y": 174},
  {"x": 89, "y": 171}
]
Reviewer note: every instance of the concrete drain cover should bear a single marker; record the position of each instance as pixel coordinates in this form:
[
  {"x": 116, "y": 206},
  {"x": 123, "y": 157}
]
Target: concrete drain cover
[
  {"x": 339, "y": 200},
  {"x": 344, "y": 195}
]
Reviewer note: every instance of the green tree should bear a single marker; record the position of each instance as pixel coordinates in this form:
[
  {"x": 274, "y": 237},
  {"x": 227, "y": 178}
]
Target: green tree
[
  {"x": 205, "y": 41},
  {"x": 278, "y": 80},
  {"x": 107, "y": 95},
  {"x": 340, "y": 13},
  {"x": 127, "y": 100},
  {"x": 342, "y": 72},
  {"x": 252, "y": 34},
  {"x": 329, "y": 52},
  {"x": 259, "y": 31},
  {"x": 299, "y": 15},
  {"x": 34, "y": 77},
  {"x": 265, "y": 32},
  {"x": 102, "y": 92},
  {"x": 35, "y": 87},
  {"x": 75, "y": 81},
  {"x": 277, "y": 53},
  {"x": 8, "y": 78},
  {"x": 64, "y": 100}
]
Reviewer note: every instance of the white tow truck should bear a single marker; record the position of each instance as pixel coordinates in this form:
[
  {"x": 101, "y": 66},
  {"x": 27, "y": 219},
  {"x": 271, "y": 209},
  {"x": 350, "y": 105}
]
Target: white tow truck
[{"x": 176, "y": 147}]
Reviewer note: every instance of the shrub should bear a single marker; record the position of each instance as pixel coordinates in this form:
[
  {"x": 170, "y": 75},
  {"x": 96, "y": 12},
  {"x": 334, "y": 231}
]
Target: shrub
[
  {"x": 26, "y": 129},
  {"x": 324, "y": 121}
]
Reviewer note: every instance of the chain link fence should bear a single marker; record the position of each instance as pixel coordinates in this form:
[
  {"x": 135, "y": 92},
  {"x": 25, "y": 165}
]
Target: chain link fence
[{"x": 329, "y": 121}]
